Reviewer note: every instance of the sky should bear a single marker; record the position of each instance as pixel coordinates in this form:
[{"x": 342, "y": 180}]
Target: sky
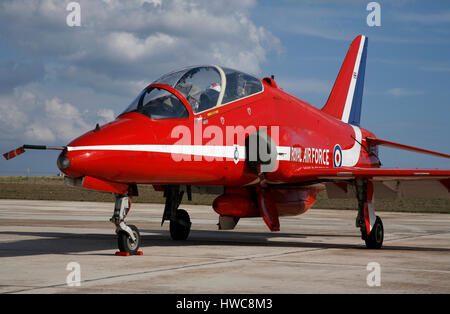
[{"x": 57, "y": 81}]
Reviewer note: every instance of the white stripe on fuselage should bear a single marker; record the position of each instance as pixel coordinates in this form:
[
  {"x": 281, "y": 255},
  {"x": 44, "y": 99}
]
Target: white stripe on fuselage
[
  {"x": 350, "y": 157},
  {"x": 353, "y": 80},
  {"x": 194, "y": 150}
]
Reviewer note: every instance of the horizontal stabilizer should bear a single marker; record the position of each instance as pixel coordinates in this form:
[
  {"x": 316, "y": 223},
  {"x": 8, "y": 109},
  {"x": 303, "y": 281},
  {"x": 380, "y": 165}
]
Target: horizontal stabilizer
[{"x": 377, "y": 141}]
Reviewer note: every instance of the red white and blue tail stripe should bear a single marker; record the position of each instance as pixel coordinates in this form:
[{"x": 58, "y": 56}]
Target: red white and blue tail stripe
[{"x": 345, "y": 100}]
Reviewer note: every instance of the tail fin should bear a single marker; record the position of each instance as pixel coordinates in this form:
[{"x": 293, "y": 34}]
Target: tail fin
[{"x": 344, "y": 102}]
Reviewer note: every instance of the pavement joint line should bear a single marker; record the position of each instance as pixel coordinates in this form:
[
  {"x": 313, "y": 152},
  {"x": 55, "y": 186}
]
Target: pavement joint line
[
  {"x": 416, "y": 236},
  {"x": 166, "y": 269},
  {"x": 134, "y": 274},
  {"x": 358, "y": 266}
]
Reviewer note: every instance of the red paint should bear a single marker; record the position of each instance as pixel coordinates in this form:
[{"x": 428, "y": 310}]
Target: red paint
[
  {"x": 369, "y": 200},
  {"x": 14, "y": 153},
  {"x": 122, "y": 254},
  {"x": 236, "y": 203},
  {"x": 119, "y": 253},
  {"x": 105, "y": 186}
]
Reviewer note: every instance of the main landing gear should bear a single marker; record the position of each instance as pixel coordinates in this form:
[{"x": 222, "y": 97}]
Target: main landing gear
[
  {"x": 371, "y": 226},
  {"x": 180, "y": 222}
]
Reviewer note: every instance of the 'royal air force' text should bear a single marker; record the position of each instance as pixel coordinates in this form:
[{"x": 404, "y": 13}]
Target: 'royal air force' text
[{"x": 312, "y": 156}]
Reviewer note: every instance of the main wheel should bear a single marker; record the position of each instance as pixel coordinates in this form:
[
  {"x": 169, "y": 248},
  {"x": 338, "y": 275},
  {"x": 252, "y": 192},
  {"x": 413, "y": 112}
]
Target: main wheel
[
  {"x": 181, "y": 226},
  {"x": 126, "y": 244},
  {"x": 375, "y": 239}
]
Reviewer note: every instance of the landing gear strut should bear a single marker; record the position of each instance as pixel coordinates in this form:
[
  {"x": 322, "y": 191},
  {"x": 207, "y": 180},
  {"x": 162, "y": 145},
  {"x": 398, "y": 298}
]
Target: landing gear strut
[
  {"x": 128, "y": 236},
  {"x": 180, "y": 223},
  {"x": 371, "y": 226}
]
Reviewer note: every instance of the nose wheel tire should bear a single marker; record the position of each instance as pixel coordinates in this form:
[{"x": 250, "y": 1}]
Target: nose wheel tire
[
  {"x": 181, "y": 226},
  {"x": 126, "y": 244},
  {"x": 375, "y": 239}
]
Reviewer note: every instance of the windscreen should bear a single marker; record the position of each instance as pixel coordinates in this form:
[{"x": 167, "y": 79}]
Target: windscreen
[
  {"x": 158, "y": 104},
  {"x": 201, "y": 86}
]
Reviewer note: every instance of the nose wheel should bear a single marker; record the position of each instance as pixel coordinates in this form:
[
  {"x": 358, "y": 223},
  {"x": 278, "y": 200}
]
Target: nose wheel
[
  {"x": 126, "y": 243},
  {"x": 128, "y": 236}
]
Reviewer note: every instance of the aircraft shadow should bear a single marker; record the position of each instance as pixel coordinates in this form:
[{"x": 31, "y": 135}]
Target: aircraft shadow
[{"x": 69, "y": 243}]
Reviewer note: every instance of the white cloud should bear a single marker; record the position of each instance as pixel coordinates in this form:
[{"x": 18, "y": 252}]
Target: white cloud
[
  {"x": 30, "y": 117},
  {"x": 107, "y": 115},
  {"x": 127, "y": 46},
  {"x": 87, "y": 77},
  {"x": 138, "y": 38},
  {"x": 11, "y": 117},
  {"x": 40, "y": 133},
  {"x": 64, "y": 120},
  {"x": 400, "y": 92},
  {"x": 16, "y": 113}
]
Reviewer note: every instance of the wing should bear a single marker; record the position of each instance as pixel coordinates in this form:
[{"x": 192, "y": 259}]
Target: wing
[{"x": 388, "y": 183}]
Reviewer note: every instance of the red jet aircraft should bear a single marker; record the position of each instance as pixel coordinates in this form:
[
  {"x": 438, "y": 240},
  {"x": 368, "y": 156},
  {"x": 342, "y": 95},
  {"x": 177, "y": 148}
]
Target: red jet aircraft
[{"x": 266, "y": 153}]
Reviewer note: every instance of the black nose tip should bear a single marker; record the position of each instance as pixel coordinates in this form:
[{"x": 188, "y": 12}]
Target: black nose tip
[{"x": 63, "y": 162}]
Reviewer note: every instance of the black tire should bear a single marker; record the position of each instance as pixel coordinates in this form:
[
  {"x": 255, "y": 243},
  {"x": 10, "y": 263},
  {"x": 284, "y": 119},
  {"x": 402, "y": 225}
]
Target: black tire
[
  {"x": 375, "y": 239},
  {"x": 181, "y": 226},
  {"x": 126, "y": 244}
]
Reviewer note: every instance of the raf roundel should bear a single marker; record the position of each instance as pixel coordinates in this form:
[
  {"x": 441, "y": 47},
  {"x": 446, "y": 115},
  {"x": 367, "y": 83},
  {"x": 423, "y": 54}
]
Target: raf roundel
[
  {"x": 337, "y": 156},
  {"x": 236, "y": 155}
]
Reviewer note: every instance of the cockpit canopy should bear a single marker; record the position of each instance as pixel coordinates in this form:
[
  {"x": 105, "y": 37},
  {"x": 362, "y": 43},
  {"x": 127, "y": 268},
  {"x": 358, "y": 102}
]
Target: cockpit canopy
[{"x": 204, "y": 87}]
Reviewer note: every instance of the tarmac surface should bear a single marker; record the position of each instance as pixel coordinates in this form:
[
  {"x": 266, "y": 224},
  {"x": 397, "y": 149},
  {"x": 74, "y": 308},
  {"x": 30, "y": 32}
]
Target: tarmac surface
[{"x": 318, "y": 252}]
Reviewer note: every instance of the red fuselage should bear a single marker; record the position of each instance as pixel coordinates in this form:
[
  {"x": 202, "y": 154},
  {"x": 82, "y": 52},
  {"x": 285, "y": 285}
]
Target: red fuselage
[{"x": 308, "y": 134}]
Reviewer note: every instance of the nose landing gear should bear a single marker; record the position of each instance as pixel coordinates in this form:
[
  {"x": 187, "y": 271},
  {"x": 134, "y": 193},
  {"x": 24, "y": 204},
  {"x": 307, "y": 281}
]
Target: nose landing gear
[
  {"x": 126, "y": 242},
  {"x": 128, "y": 236}
]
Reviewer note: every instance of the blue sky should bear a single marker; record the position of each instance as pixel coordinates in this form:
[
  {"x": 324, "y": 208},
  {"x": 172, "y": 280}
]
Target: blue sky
[{"x": 57, "y": 82}]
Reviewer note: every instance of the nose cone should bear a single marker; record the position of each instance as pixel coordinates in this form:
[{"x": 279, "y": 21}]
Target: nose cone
[
  {"x": 126, "y": 129},
  {"x": 63, "y": 161},
  {"x": 85, "y": 155}
]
